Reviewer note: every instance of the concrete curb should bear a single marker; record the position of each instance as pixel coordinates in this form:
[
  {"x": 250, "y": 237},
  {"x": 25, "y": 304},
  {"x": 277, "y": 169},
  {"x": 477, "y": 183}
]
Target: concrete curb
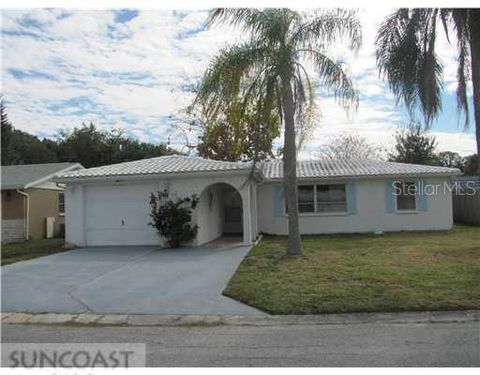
[{"x": 87, "y": 319}]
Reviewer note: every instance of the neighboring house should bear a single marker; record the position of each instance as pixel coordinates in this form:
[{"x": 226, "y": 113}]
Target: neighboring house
[
  {"x": 32, "y": 204},
  {"x": 110, "y": 205}
]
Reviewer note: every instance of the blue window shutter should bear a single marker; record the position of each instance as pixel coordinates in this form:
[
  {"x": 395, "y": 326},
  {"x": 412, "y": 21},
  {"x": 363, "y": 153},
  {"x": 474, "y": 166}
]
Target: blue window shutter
[
  {"x": 351, "y": 197},
  {"x": 421, "y": 199},
  {"x": 277, "y": 200},
  {"x": 389, "y": 196}
]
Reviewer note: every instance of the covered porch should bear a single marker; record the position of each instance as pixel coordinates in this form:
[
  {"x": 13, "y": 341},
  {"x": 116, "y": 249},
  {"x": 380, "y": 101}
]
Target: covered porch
[{"x": 226, "y": 213}]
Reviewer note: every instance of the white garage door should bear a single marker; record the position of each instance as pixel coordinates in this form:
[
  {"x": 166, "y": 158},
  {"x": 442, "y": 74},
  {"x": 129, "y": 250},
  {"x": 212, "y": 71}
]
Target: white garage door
[{"x": 119, "y": 215}]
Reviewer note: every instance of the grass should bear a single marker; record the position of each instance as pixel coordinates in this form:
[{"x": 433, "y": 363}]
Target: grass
[
  {"x": 16, "y": 252},
  {"x": 363, "y": 272}
]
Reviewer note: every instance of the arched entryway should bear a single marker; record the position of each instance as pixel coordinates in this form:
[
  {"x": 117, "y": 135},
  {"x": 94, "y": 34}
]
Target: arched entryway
[{"x": 219, "y": 213}]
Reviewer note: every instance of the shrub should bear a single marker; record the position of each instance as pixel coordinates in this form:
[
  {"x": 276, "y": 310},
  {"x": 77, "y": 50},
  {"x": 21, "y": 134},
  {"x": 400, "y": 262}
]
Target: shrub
[{"x": 172, "y": 217}]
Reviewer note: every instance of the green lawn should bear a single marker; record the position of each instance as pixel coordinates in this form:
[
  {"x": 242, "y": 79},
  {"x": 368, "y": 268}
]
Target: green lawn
[
  {"x": 16, "y": 252},
  {"x": 364, "y": 272}
]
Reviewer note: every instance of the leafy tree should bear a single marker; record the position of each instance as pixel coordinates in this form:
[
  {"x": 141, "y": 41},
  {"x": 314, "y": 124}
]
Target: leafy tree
[
  {"x": 87, "y": 145},
  {"x": 451, "y": 159},
  {"x": 172, "y": 217},
  {"x": 267, "y": 72},
  {"x": 19, "y": 147},
  {"x": 406, "y": 57},
  {"x": 413, "y": 146},
  {"x": 33, "y": 150},
  {"x": 238, "y": 135},
  {"x": 9, "y": 154},
  {"x": 472, "y": 165},
  {"x": 121, "y": 148},
  {"x": 351, "y": 146},
  {"x": 92, "y": 147},
  {"x": 84, "y": 145}
]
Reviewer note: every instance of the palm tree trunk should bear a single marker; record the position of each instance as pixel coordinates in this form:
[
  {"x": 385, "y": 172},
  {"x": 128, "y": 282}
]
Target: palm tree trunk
[
  {"x": 474, "y": 19},
  {"x": 290, "y": 171}
]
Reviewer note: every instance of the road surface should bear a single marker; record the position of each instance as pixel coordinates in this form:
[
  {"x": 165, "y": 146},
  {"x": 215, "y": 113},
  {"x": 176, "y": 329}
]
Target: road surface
[{"x": 368, "y": 344}]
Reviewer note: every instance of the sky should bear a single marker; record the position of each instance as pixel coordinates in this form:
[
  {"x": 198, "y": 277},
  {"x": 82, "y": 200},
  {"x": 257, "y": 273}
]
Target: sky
[{"x": 135, "y": 69}]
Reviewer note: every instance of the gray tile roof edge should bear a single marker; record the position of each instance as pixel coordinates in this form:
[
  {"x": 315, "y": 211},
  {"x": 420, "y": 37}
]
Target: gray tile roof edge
[
  {"x": 215, "y": 166},
  {"x": 141, "y": 175},
  {"x": 259, "y": 170},
  {"x": 68, "y": 167},
  {"x": 368, "y": 176}
]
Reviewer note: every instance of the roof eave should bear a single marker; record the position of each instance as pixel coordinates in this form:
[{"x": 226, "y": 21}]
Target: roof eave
[
  {"x": 12, "y": 187},
  {"x": 149, "y": 176},
  {"x": 52, "y": 175},
  {"x": 369, "y": 177}
]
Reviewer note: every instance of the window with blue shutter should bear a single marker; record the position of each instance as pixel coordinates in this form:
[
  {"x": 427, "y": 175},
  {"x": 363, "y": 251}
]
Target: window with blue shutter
[
  {"x": 319, "y": 198},
  {"x": 277, "y": 200},
  {"x": 389, "y": 196},
  {"x": 351, "y": 198},
  {"x": 406, "y": 196},
  {"x": 421, "y": 199}
]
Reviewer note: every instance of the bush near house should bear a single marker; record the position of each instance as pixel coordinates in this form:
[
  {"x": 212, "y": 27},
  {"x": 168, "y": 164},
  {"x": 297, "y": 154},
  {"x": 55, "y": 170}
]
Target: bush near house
[
  {"x": 363, "y": 272},
  {"x": 172, "y": 217}
]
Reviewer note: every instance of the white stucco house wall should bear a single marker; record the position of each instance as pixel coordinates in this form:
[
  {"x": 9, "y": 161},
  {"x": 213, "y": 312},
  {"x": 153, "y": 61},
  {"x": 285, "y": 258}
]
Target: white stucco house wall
[{"x": 109, "y": 205}]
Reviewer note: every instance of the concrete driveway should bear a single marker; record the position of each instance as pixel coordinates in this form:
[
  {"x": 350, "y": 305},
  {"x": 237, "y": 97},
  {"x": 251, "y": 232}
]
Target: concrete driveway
[{"x": 134, "y": 280}]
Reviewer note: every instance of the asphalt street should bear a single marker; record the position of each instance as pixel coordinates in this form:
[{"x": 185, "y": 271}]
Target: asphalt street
[{"x": 368, "y": 344}]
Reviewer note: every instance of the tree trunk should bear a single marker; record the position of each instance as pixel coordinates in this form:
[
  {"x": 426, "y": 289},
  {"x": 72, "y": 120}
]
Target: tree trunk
[
  {"x": 474, "y": 20},
  {"x": 290, "y": 171}
]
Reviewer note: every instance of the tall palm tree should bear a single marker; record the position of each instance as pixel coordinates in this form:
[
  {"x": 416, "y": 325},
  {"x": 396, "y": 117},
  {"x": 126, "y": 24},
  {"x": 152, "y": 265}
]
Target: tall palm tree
[
  {"x": 268, "y": 71},
  {"x": 406, "y": 57}
]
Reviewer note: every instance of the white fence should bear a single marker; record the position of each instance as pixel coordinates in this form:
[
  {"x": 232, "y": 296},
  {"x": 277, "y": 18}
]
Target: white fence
[{"x": 13, "y": 230}]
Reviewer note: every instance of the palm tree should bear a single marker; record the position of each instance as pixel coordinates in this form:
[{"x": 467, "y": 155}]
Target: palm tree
[
  {"x": 268, "y": 71},
  {"x": 406, "y": 57}
]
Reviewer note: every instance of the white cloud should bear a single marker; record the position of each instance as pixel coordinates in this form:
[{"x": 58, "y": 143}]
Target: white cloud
[{"x": 135, "y": 74}]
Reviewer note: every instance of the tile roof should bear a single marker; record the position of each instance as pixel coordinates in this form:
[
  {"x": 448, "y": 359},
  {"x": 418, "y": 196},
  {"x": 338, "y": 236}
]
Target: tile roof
[
  {"x": 271, "y": 170},
  {"x": 170, "y": 164},
  {"x": 329, "y": 168},
  {"x": 20, "y": 176}
]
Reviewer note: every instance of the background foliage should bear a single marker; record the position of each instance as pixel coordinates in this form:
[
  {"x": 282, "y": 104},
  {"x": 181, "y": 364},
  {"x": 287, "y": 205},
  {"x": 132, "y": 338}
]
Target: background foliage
[{"x": 86, "y": 145}]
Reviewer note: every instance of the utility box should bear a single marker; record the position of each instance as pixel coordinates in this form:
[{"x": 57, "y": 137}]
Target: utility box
[{"x": 49, "y": 227}]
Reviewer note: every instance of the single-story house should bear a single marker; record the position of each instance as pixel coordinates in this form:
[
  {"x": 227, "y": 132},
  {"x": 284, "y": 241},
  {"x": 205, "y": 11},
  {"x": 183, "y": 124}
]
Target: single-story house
[
  {"x": 109, "y": 205},
  {"x": 32, "y": 204}
]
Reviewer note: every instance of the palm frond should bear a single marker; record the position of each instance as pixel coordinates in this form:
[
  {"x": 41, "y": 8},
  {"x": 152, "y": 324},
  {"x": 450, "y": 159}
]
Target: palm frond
[
  {"x": 459, "y": 18},
  {"x": 237, "y": 17},
  {"x": 255, "y": 89},
  {"x": 306, "y": 111},
  {"x": 266, "y": 23},
  {"x": 327, "y": 27},
  {"x": 406, "y": 58},
  {"x": 335, "y": 79},
  {"x": 256, "y": 72},
  {"x": 223, "y": 79},
  {"x": 445, "y": 17},
  {"x": 429, "y": 72}
]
